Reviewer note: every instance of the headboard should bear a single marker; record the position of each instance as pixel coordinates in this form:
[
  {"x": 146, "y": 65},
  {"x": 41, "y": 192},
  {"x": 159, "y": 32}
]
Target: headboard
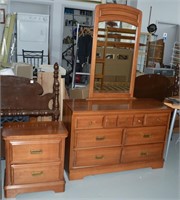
[{"x": 22, "y": 96}]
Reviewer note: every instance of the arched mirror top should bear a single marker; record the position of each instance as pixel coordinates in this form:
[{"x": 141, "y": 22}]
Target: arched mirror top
[{"x": 115, "y": 51}]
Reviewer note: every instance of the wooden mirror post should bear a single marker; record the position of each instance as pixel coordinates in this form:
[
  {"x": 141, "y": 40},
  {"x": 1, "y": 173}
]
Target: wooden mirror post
[{"x": 118, "y": 39}]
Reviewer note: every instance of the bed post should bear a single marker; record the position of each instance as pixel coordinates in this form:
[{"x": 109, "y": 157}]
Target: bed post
[
  {"x": 56, "y": 114},
  {"x": 176, "y": 81}
]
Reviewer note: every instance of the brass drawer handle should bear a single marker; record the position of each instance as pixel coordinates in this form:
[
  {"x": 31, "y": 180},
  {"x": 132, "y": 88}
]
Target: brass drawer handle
[
  {"x": 98, "y": 138},
  {"x": 38, "y": 173},
  {"x": 144, "y": 153},
  {"x": 36, "y": 151},
  {"x": 99, "y": 157},
  {"x": 146, "y": 135}
]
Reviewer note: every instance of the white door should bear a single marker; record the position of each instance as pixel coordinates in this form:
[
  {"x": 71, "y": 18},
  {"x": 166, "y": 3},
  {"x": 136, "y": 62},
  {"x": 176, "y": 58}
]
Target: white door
[{"x": 169, "y": 32}]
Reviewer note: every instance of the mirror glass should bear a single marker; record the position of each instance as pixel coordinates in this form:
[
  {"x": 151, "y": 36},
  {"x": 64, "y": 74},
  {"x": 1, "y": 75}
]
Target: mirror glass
[{"x": 114, "y": 57}]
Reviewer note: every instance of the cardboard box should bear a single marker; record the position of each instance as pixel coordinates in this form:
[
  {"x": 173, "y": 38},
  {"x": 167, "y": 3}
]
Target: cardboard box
[{"x": 79, "y": 93}]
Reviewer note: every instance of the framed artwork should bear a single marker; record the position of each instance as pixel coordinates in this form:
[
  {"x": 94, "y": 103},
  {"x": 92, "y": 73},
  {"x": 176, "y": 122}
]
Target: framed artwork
[{"x": 2, "y": 16}]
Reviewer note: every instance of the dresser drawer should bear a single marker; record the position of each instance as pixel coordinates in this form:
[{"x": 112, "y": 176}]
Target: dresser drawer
[
  {"x": 110, "y": 121},
  {"x": 100, "y": 156},
  {"x": 97, "y": 138},
  {"x": 156, "y": 119},
  {"x": 142, "y": 153},
  {"x": 144, "y": 135},
  {"x": 35, "y": 151},
  {"x": 138, "y": 120},
  {"x": 88, "y": 122},
  {"x": 36, "y": 173},
  {"x": 125, "y": 120}
]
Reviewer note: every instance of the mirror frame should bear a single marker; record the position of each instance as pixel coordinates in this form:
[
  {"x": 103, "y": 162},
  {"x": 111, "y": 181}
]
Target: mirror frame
[{"x": 115, "y": 12}]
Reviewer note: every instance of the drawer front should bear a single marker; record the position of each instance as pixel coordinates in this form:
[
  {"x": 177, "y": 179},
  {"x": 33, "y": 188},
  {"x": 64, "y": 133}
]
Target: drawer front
[
  {"x": 156, "y": 119},
  {"x": 100, "y": 156},
  {"x": 36, "y": 173},
  {"x": 35, "y": 151},
  {"x": 97, "y": 138},
  {"x": 110, "y": 121},
  {"x": 89, "y": 122},
  {"x": 142, "y": 153},
  {"x": 138, "y": 120},
  {"x": 144, "y": 135},
  {"x": 125, "y": 120}
]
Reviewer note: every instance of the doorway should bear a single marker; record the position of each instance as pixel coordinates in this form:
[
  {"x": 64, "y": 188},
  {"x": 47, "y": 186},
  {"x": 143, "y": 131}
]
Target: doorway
[
  {"x": 169, "y": 32},
  {"x": 73, "y": 17}
]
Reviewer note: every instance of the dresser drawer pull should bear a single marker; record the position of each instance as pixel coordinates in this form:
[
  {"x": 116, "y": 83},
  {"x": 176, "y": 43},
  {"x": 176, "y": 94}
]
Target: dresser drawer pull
[
  {"x": 98, "y": 138},
  {"x": 99, "y": 157},
  {"x": 38, "y": 151},
  {"x": 139, "y": 121},
  {"x": 147, "y": 135},
  {"x": 38, "y": 173},
  {"x": 144, "y": 153}
]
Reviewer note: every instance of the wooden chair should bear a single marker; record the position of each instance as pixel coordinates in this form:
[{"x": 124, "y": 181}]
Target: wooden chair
[{"x": 35, "y": 58}]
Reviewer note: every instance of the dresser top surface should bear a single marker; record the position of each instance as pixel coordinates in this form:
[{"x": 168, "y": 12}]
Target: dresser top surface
[
  {"x": 77, "y": 105},
  {"x": 34, "y": 129}
]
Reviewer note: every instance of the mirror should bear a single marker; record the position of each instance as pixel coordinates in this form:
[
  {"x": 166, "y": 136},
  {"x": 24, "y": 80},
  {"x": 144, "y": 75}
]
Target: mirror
[{"x": 115, "y": 50}]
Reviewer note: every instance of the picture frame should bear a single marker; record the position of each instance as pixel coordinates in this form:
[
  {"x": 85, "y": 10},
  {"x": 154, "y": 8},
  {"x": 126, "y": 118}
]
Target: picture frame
[{"x": 2, "y": 16}]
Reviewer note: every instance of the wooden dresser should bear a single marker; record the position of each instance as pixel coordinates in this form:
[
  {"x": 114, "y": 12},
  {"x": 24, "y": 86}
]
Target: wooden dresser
[
  {"x": 34, "y": 157},
  {"x": 114, "y": 135}
]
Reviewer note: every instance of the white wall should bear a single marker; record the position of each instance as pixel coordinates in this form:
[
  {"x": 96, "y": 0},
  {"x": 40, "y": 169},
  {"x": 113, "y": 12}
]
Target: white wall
[
  {"x": 162, "y": 10},
  {"x": 3, "y": 5},
  {"x": 167, "y": 13}
]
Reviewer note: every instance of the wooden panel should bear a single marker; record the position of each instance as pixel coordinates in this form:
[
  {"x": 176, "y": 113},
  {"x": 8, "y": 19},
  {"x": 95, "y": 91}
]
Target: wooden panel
[
  {"x": 100, "y": 156},
  {"x": 125, "y": 120},
  {"x": 97, "y": 138},
  {"x": 142, "y": 153},
  {"x": 144, "y": 135},
  {"x": 110, "y": 121},
  {"x": 36, "y": 173}
]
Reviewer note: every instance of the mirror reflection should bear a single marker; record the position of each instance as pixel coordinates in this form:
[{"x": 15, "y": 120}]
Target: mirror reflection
[{"x": 114, "y": 56}]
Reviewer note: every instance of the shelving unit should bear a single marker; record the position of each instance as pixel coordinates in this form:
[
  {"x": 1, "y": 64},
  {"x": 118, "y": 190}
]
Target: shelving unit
[
  {"x": 175, "y": 59},
  {"x": 155, "y": 53},
  {"x": 145, "y": 38}
]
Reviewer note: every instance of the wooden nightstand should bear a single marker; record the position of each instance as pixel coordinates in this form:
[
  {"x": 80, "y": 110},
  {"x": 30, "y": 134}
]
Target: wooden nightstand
[{"x": 34, "y": 157}]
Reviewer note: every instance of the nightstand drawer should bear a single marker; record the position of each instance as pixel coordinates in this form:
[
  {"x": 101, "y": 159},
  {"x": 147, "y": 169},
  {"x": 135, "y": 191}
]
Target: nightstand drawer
[
  {"x": 144, "y": 135},
  {"x": 35, "y": 151},
  {"x": 100, "y": 156},
  {"x": 142, "y": 153},
  {"x": 89, "y": 122},
  {"x": 156, "y": 119},
  {"x": 102, "y": 137},
  {"x": 36, "y": 173}
]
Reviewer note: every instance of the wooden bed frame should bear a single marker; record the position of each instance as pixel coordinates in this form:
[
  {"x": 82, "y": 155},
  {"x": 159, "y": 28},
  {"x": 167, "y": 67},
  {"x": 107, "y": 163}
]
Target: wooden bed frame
[{"x": 22, "y": 96}]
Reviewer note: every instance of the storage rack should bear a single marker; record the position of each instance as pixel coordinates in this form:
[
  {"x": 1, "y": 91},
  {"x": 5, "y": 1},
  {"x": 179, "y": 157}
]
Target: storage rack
[{"x": 175, "y": 58}]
